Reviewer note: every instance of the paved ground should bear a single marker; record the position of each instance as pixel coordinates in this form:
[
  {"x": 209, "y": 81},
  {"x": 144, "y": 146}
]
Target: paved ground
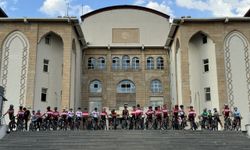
[{"x": 125, "y": 140}]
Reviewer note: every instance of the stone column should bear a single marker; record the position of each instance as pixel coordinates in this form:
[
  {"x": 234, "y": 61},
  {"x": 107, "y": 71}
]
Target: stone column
[{"x": 67, "y": 39}]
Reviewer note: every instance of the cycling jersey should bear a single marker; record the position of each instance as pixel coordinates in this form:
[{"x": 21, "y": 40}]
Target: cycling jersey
[
  {"x": 85, "y": 114},
  {"x": 20, "y": 114},
  {"x": 79, "y": 114},
  {"x": 103, "y": 115},
  {"x": 138, "y": 112},
  {"x": 226, "y": 112},
  {"x": 49, "y": 114},
  {"x": 165, "y": 113},
  {"x": 149, "y": 114},
  {"x": 191, "y": 114},
  {"x": 158, "y": 114},
  {"x": 71, "y": 114},
  {"x": 125, "y": 112},
  {"x": 56, "y": 114},
  {"x": 133, "y": 113},
  {"x": 182, "y": 113},
  {"x": 204, "y": 114},
  {"x": 95, "y": 114},
  {"x": 236, "y": 113},
  {"x": 175, "y": 112},
  {"x": 64, "y": 114}
]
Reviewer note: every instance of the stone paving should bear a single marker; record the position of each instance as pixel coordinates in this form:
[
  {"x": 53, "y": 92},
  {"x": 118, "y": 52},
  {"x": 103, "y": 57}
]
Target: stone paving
[{"x": 126, "y": 140}]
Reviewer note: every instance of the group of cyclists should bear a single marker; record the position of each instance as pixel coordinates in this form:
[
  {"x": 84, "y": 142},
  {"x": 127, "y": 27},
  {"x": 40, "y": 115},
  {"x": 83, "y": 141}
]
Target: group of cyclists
[{"x": 153, "y": 118}]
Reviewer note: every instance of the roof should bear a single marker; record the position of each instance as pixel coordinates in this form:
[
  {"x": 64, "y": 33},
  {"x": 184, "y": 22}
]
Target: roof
[
  {"x": 26, "y": 20},
  {"x": 247, "y": 14},
  {"x": 178, "y": 22},
  {"x": 73, "y": 21},
  {"x": 2, "y": 13},
  {"x": 124, "y": 7}
]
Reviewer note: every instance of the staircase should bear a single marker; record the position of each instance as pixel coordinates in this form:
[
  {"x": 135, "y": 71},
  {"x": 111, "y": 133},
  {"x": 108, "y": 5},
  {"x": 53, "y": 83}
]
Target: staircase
[{"x": 125, "y": 140}]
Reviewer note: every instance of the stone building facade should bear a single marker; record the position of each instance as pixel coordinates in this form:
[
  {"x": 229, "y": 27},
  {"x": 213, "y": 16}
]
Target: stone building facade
[
  {"x": 37, "y": 61},
  {"x": 209, "y": 63},
  {"x": 125, "y": 57}
]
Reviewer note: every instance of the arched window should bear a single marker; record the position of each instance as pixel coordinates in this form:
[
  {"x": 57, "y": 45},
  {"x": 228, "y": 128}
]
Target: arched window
[
  {"x": 126, "y": 86},
  {"x": 91, "y": 63},
  {"x": 125, "y": 62},
  {"x": 101, "y": 63},
  {"x": 160, "y": 63},
  {"x": 95, "y": 87},
  {"x": 156, "y": 86},
  {"x": 135, "y": 63},
  {"x": 116, "y": 63},
  {"x": 150, "y": 63}
]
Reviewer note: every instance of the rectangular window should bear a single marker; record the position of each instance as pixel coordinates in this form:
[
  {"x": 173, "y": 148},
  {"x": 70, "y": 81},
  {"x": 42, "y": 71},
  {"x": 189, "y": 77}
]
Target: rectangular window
[
  {"x": 45, "y": 65},
  {"x": 47, "y": 39},
  {"x": 44, "y": 94},
  {"x": 206, "y": 65},
  {"x": 207, "y": 94},
  {"x": 204, "y": 39}
]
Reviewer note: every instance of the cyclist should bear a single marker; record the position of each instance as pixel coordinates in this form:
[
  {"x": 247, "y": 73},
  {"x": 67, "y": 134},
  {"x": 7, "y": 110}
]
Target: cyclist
[
  {"x": 20, "y": 117},
  {"x": 63, "y": 119},
  {"x": 175, "y": 119},
  {"x": 204, "y": 120},
  {"x": 125, "y": 114},
  {"x": 217, "y": 116},
  {"x": 79, "y": 114},
  {"x": 26, "y": 116},
  {"x": 56, "y": 116},
  {"x": 149, "y": 115},
  {"x": 78, "y": 117},
  {"x": 191, "y": 118},
  {"x": 138, "y": 115},
  {"x": 95, "y": 115},
  {"x": 158, "y": 115},
  {"x": 226, "y": 113},
  {"x": 210, "y": 119},
  {"x": 33, "y": 124},
  {"x": 85, "y": 116},
  {"x": 104, "y": 117},
  {"x": 165, "y": 116},
  {"x": 71, "y": 115},
  {"x": 237, "y": 116},
  {"x": 133, "y": 117},
  {"x": 10, "y": 112},
  {"x": 182, "y": 116},
  {"x": 39, "y": 119},
  {"x": 113, "y": 118}
]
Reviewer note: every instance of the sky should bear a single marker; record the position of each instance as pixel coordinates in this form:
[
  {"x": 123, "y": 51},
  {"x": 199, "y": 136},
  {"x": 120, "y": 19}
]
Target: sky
[{"x": 174, "y": 8}]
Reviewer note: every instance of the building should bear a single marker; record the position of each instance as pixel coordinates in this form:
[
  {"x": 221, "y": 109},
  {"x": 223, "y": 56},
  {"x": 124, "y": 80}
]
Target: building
[
  {"x": 125, "y": 60},
  {"x": 209, "y": 63},
  {"x": 126, "y": 54},
  {"x": 39, "y": 59}
]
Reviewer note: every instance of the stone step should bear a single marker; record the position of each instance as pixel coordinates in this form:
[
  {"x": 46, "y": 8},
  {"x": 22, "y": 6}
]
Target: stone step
[{"x": 121, "y": 139}]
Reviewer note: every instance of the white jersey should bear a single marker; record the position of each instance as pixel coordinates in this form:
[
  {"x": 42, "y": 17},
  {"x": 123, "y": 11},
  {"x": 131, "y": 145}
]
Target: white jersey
[
  {"x": 79, "y": 114},
  {"x": 71, "y": 114},
  {"x": 95, "y": 114}
]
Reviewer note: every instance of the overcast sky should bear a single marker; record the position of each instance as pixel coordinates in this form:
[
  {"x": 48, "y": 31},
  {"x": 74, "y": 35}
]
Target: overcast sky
[{"x": 174, "y": 8}]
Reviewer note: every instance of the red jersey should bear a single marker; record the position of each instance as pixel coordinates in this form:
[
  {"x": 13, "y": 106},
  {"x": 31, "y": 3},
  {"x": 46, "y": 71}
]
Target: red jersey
[
  {"x": 38, "y": 115},
  {"x": 56, "y": 114},
  {"x": 226, "y": 112},
  {"x": 165, "y": 112},
  {"x": 104, "y": 113},
  {"x": 85, "y": 114},
  {"x": 191, "y": 114},
  {"x": 150, "y": 113}
]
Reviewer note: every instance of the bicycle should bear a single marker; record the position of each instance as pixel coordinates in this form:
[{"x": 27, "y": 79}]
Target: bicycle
[
  {"x": 227, "y": 123},
  {"x": 236, "y": 124}
]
